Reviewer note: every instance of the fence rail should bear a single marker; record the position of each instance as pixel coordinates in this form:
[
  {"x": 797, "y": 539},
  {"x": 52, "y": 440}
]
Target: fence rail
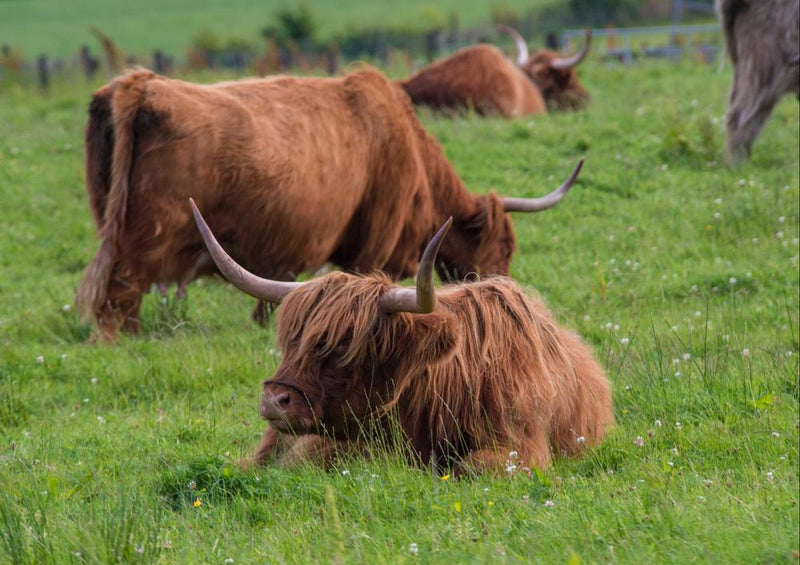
[{"x": 620, "y": 41}]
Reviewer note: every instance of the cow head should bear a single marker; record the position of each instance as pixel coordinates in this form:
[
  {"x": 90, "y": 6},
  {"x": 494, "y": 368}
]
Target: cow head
[
  {"x": 484, "y": 242},
  {"x": 554, "y": 75},
  {"x": 349, "y": 344}
]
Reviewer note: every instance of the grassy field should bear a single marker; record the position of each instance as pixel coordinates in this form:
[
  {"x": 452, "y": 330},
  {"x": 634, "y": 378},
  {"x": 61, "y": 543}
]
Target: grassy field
[
  {"x": 60, "y": 28},
  {"x": 681, "y": 273}
]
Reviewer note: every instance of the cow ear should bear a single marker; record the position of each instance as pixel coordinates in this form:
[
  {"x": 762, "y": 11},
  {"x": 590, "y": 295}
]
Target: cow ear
[{"x": 430, "y": 337}]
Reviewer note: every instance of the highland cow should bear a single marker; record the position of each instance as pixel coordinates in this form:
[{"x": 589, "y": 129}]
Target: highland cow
[
  {"x": 552, "y": 73},
  {"x": 478, "y": 377},
  {"x": 481, "y": 78},
  {"x": 478, "y": 78},
  {"x": 291, "y": 173},
  {"x": 764, "y": 45}
]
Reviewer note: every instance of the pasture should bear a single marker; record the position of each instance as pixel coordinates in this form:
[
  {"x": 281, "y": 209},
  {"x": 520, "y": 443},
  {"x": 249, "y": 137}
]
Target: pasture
[{"x": 682, "y": 275}]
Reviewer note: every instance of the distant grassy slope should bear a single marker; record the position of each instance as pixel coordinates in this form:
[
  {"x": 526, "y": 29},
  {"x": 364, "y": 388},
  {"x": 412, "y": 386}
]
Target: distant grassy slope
[
  {"x": 59, "y": 28},
  {"x": 681, "y": 274}
]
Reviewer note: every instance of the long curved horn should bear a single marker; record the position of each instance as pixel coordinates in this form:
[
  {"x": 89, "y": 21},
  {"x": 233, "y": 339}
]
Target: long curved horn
[
  {"x": 522, "y": 47},
  {"x": 544, "y": 202},
  {"x": 264, "y": 289},
  {"x": 564, "y": 63},
  {"x": 421, "y": 300}
]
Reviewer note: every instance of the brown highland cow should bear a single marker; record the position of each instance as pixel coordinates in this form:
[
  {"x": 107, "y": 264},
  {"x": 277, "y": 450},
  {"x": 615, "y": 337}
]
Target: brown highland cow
[
  {"x": 291, "y": 173},
  {"x": 553, "y": 73},
  {"x": 479, "y": 78},
  {"x": 764, "y": 45},
  {"x": 482, "y": 78},
  {"x": 478, "y": 376}
]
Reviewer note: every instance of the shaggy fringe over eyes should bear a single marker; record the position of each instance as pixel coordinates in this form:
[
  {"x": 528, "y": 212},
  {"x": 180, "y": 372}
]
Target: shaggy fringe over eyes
[{"x": 337, "y": 313}]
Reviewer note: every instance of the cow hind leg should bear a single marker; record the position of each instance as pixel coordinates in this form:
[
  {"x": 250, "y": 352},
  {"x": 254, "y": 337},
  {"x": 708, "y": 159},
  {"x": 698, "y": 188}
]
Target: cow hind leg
[
  {"x": 748, "y": 111},
  {"x": 121, "y": 310}
]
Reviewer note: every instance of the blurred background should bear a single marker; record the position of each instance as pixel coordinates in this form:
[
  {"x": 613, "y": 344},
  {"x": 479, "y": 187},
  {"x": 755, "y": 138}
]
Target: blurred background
[{"x": 51, "y": 41}]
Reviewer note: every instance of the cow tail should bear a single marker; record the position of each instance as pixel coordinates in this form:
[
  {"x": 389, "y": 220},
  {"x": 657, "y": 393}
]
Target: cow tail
[
  {"x": 727, "y": 10},
  {"x": 109, "y": 197}
]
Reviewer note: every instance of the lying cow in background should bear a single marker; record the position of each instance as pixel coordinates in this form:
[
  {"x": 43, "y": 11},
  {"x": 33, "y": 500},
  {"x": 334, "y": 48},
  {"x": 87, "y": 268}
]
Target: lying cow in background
[
  {"x": 552, "y": 73},
  {"x": 764, "y": 45},
  {"x": 291, "y": 172},
  {"x": 472, "y": 373},
  {"x": 482, "y": 78}
]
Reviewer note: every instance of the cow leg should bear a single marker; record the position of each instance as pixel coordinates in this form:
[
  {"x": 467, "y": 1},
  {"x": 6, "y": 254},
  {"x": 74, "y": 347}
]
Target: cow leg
[
  {"x": 121, "y": 309},
  {"x": 264, "y": 451},
  {"x": 748, "y": 110},
  {"x": 262, "y": 312},
  {"x": 505, "y": 460}
]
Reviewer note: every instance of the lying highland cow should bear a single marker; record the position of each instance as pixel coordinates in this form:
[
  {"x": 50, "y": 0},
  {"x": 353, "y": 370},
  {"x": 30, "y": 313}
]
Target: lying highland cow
[
  {"x": 553, "y": 74},
  {"x": 764, "y": 45},
  {"x": 472, "y": 372},
  {"x": 480, "y": 77},
  {"x": 291, "y": 172}
]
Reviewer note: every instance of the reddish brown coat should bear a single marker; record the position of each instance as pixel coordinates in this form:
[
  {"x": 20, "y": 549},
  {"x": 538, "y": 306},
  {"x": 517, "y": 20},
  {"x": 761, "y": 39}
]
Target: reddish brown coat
[
  {"x": 290, "y": 172},
  {"x": 487, "y": 374},
  {"x": 478, "y": 77}
]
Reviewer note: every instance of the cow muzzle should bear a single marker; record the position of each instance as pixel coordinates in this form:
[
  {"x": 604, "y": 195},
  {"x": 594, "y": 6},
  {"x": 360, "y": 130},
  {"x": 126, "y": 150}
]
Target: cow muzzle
[{"x": 274, "y": 406}]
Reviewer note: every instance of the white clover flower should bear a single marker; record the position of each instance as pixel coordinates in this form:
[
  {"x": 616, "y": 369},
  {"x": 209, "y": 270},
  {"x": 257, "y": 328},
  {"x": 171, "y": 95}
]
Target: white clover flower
[
  {"x": 776, "y": 434},
  {"x": 657, "y": 423},
  {"x": 674, "y": 451},
  {"x": 413, "y": 548},
  {"x": 580, "y": 440},
  {"x": 345, "y": 472},
  {"x": 698, "y": 313},
  {"x": 678, "y": 426},
  {"x": 40, "y": 359},
  {"x": 101, "y": 420},
  {"x": 66, "y": 308},
  {"x": 745, "y": 352},
  {"x": 549, "y": 503},
  {"x": 639, "y": 441},
  {"x": 94, "y": 380},
  {"x": 732, "y": 281},
  {"x": 229, "y": 560},
  {"x": 512, "y": 454},
  {"x": 510, "y": 468},
  {"x": 687, "y": 356},
  {"x": 624, "y": 341}
]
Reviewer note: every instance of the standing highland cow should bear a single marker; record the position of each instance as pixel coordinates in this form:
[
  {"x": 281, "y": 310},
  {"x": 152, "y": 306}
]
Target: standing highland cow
[
  {"x": 291, "y": 172},
  {"x": 763, "y": 43},
  {"x": 472, "y": 373}
]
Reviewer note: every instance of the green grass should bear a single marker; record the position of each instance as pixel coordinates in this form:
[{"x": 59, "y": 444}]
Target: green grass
[
  {"x": 60, "y": 28},
  {"x": 105, "y": 450}
]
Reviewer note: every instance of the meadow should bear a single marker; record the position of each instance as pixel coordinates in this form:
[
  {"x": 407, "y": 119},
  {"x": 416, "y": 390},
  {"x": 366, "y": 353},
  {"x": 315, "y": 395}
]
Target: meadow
[
  {"x": 680, "y": 272},
  {"x": 60, "y": 28}
]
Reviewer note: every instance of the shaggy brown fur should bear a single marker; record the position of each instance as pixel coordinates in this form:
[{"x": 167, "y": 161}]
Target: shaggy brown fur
[
  {"x": 290, "y": 173},
  {"x": 764, "y": 45},
  {"x": 478, "y": 77},
  {"x": 489, "y": 372},
  {"x": 561, "y": 89}
]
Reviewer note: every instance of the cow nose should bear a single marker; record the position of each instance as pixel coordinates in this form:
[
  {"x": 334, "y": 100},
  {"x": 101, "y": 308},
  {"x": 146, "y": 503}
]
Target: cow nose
[{"x": 274, "y": 405}]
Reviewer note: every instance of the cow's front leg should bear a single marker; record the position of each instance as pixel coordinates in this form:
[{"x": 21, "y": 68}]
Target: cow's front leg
[
  {"x": 262, "y": 312},
  {"x": 507, "y": 460},
  {"x": 264, "y": 451}
]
